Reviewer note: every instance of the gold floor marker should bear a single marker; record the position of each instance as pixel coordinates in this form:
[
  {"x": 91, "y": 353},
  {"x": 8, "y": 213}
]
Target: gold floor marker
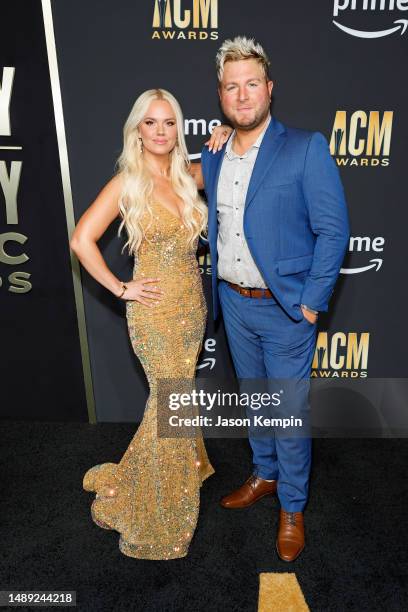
[{"x": 280, "y": 593}]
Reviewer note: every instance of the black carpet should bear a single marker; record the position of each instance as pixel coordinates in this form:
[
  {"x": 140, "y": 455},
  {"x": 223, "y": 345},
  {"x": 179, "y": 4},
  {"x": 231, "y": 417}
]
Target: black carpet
[{"x": 356, "y": 527}]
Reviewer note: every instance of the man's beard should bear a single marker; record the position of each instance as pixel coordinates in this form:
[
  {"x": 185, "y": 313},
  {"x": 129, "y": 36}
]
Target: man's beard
[{"x": 247, "y": 127}]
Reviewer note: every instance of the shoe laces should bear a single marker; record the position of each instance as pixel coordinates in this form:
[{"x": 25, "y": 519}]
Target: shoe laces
[
  {"x": 290, "y": 518},
  {"x": 252, "y": 480}
]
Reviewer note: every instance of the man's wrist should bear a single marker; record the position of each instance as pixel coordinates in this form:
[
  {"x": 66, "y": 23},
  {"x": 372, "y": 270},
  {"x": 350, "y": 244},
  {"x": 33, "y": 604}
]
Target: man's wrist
[{"x": 316, "y": 312}]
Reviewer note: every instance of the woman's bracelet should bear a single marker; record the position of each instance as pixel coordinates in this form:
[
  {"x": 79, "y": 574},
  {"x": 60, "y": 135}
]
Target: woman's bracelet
[{"x": 124, "y": 287}]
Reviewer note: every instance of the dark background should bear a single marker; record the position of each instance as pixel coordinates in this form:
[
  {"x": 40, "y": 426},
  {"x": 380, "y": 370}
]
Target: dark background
[
  {"x": 106, "y": 59},
  {"x": 41, "y": 370}
]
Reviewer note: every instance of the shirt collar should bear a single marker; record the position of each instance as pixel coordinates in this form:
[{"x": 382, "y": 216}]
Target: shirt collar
[{"x": 232, "y": 155}]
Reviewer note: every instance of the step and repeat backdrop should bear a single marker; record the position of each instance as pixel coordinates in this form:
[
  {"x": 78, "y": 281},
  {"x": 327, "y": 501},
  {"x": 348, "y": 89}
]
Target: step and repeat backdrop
[{"x": 69, "y": 73}]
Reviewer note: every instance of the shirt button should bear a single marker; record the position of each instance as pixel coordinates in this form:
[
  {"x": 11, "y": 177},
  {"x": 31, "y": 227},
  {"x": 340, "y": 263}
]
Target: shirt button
[
  {"x": 237, "y": 234},
  {"x": 241, "y": 283},
  {"x": 238, "y": 259},
  {"x": 236, "y": 208},
  {"x": 236, "y": 183}
]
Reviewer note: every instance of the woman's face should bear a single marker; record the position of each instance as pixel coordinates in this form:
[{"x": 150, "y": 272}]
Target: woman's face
[{"x": 158, "y": 128}]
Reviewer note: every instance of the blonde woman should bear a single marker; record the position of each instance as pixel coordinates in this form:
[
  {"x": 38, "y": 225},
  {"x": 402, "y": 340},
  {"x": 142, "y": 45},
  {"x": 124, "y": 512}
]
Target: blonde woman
[{"x": 151, "y": 497}]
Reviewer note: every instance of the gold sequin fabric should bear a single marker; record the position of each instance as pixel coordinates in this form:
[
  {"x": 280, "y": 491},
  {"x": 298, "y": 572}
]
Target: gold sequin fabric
[{"x": 151, "y": 497}]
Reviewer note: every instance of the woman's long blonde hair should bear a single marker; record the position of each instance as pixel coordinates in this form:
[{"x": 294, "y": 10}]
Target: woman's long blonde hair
[{"x": 136, "y": 196}]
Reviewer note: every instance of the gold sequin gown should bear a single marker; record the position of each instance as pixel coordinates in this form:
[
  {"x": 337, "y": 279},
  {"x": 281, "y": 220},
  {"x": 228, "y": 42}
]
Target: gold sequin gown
[{"x": 151, "y": 497}]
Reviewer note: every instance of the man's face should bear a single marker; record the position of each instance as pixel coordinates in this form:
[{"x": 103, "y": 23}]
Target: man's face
[{"x": 245, "y": 94}]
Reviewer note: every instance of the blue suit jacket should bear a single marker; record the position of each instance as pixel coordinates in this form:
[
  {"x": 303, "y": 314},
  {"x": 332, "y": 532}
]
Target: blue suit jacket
[{"x": 295, "y": 217}]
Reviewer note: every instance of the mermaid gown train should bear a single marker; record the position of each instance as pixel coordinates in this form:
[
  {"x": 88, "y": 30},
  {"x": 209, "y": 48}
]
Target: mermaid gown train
[{"x": 151, "y": 497}]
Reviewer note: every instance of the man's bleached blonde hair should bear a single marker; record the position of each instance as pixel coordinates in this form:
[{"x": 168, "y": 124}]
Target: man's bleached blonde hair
[{"x": 241, "y": 48}]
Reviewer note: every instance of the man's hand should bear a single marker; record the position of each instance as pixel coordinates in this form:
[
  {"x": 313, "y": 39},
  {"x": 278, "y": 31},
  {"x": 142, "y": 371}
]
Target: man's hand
[{"x": 309, "y": 316}]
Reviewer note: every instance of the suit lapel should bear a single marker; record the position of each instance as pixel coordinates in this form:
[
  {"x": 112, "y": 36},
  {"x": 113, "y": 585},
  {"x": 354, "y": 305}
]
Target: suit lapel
[
  {"x": 272, "y": 142},
  {"x": 215, "y": 172}
]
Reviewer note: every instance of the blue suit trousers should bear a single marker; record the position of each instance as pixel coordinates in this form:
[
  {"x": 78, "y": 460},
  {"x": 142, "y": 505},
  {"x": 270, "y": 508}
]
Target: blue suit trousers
[{"x": 266, "y": 343}]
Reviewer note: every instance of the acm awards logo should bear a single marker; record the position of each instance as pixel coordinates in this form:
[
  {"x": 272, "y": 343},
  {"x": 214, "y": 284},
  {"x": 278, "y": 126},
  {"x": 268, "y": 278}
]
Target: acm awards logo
[
  {"x": 185, "y": 19},
  {"x": 341, "y": 355},
  {"x": 10, "y": 173},
  {"x": 387, "y": 9},
  {"x": 361, "y": 138}
]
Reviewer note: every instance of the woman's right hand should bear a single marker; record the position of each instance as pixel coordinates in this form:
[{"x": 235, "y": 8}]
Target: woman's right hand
[{"x": 144, "y": 290}]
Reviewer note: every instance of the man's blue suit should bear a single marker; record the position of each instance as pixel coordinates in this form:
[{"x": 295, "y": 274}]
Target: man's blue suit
[{"x": 296, "y": 227}]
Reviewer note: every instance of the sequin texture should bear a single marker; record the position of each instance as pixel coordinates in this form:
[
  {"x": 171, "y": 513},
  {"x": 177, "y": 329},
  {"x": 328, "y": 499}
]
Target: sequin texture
[{"x": 151, "y": 497}]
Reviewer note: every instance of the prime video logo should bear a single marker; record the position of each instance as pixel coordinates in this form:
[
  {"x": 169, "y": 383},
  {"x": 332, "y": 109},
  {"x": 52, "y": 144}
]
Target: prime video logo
[{"x": 398, "y": 25}]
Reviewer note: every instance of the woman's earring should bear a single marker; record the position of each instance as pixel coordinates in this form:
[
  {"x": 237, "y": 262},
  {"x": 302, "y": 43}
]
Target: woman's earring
[{"x": 141, "y": 145}]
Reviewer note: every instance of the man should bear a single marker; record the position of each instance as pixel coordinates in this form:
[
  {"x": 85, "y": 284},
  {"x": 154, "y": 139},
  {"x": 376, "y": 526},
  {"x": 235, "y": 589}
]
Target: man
[{"x": 278, "y": 231}]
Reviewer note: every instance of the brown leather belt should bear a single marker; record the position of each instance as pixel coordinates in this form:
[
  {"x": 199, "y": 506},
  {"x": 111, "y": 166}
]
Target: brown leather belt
[{"x": 249, "y": 292}]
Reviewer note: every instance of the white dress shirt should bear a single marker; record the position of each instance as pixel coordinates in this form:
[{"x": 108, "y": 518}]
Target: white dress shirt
[{"x": 235, "y": 262}]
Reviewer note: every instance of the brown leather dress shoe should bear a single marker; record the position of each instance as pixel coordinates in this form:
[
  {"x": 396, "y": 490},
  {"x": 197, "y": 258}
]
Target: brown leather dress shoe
[
  {"x": 253, "y": 489},
  {"x": 291, "y": 535}
]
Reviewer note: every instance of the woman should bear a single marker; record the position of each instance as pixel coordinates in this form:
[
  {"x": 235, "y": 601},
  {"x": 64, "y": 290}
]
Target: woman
[{"x": 151, "y": 497}]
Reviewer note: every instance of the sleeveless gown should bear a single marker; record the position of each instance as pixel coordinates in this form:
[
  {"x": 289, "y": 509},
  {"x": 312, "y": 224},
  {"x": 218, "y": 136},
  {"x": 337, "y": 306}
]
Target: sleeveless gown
[{"x": 151, "y": 497}]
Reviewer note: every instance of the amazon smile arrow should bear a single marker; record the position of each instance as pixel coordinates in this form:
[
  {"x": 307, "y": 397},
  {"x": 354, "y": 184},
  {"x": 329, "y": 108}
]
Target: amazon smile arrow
[
  {"x": 375, "y": 263},
  {"x": 402, "y": 25},
  {"x": 209, "y": 361}
]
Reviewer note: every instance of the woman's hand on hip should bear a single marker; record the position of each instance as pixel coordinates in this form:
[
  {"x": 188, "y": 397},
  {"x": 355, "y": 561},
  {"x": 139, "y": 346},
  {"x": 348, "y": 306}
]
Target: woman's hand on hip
[{"x": 144, "y": 290}]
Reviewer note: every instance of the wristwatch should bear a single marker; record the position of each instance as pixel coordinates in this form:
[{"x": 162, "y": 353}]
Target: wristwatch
[{"x": 316, "y": 312}]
